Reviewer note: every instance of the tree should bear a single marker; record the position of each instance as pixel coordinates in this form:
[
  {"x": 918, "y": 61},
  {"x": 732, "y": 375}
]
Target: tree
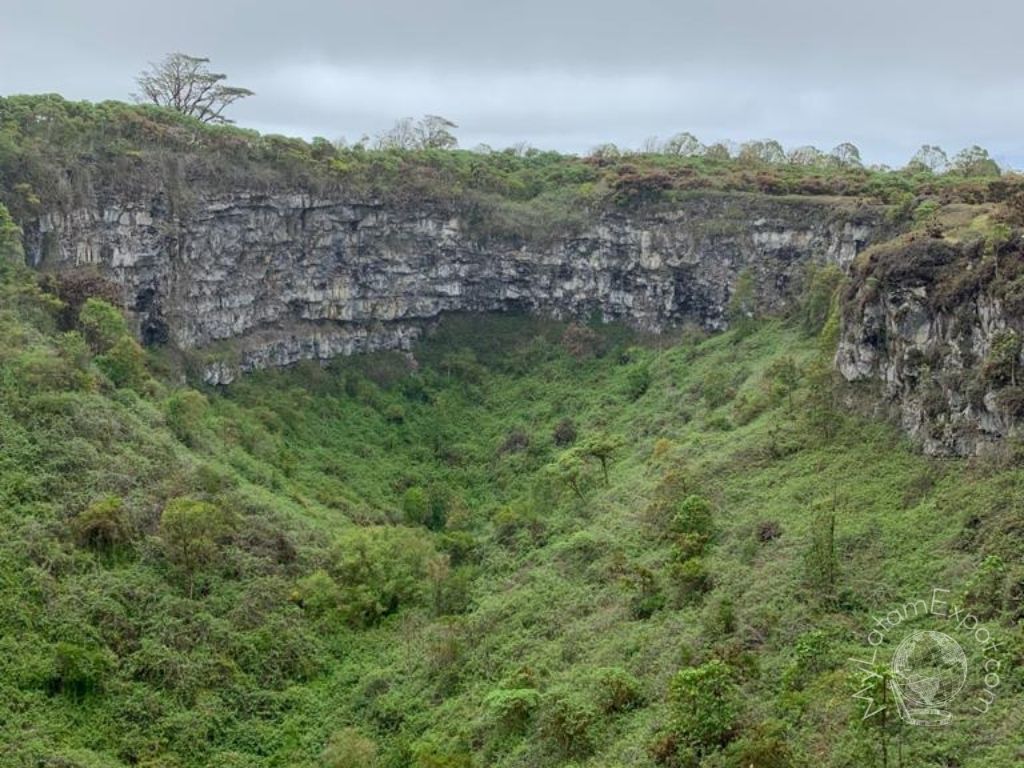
[
  {"x": 402, "y": 135},
  {"x": 568, "y": 721},
  {"x": 565, "y": 432},
  {"x": 606, "y": 152},
  {"x": 768, "y": 152},
  {"x": 570, "y": 470},
  {"x": 1001, "y": 363},
  {"x": 806, "y": 156},
  {"x": 430, "y": 132},
  {"x": 876, "y": 689},
  {"x": 975, "y": 162},
  {"x": 718, "y": 151},
  {"x": 929, "y": 158},
  {"x": 192, "y": 532},
  {"x": 684, "y": 145},
  {"x": 650, "y": 146},
  {"x": 820, "y": 285},
  {"x": 185, "y": 411},
  {"x": 601, "y": 447},
  {"x": 185, "y": 83},
  {"x": 822, "y": 560},
  {"x": 693, "y": 527},
  {"x": 435, "y": 132},
  {"x": 846, "y": 155}
]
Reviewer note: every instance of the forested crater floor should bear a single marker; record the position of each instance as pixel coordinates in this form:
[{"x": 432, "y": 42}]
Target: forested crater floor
[{"x": 530, "y": 543}]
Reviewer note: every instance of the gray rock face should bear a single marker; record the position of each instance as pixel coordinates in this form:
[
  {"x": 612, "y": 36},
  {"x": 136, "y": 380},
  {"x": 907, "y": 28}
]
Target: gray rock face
[
  {"x": 288, "y": 277},
  {"x": 930, "y": 355}
]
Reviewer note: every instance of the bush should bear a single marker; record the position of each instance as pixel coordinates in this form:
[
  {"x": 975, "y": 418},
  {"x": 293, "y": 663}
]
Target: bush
[
  {"x": 1000, "y": 366},
  {"x": 124, "y": 364},
  {"x": 691, "y": 579},
  {"x": 10, "y": 236},
  {"x": 716, "y": 388},
  {"x": 513, "y": 521},
  {"x": 74, "y": 288},
  {"x": 768, "y": 530},
  {"x": 39, "y": 370},
  {"x": 348, "y": 748},
  {"x": 568, "y": 721},
  {"x": 512, "y": 708},
  {"x": 380, "y": 569},
  {"x": 986, "y": 589},
  {"x": 517, "y": 440},
  {"x": 78, "y": 670},
  {"x": 693, "y": 516},
  {"x": 638, "y": 381},
  {"x": 646, "y": 598},
  {"x": 103, "y": 526},
  {"x": 564, "y": 433},
  {"x": 703, "y": 705},
  {"x": 765, "y": 746},
  {"x": 318, "y": 594},
  {"x": 193, "y": 532},
  {"x": 581, "y": 342},
  {"x": 102, "y": 324},
  {"x": 1010, "y": 400},
  {"x": 617, "y": 690},
  {"x": 185, "y": 411},
  {"x": 415, "y": 506}
]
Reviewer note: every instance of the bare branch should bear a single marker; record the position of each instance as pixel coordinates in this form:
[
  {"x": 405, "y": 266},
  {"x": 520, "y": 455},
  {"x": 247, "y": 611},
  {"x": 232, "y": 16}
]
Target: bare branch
[{"x": 185, "y": 83}]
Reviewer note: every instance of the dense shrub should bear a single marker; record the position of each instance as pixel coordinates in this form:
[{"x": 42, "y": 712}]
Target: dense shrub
[
  {"x": 102, "y": 324},
  {"x": 348, "y": 748},
  {"x": 617, "y": 690},
  {"x": 124, "y": 363},
  {"x": 564, "y": 433},
  {"x": 568, "y": 721},
  {"x": 512, "y": 708},
  {"x": 193, "y": 532},
  {"x": 380, "y": 569},
  {"x": 703, "y": 702},
  {"x": 103, "y": 525},
  {"x": 185, "y": 411}
]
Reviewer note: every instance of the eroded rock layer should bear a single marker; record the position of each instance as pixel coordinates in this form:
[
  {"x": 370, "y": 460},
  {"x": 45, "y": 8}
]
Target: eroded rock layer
[{"x": 286, "y": 277}]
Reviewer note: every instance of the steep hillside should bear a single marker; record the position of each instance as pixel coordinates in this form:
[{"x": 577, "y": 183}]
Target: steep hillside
[{"x": 530, "y": 544}]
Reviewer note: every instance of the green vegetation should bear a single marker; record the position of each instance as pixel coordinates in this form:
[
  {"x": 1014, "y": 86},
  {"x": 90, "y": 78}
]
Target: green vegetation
[
  {"x": 56, "y": 154},
  {"x": 547, "y": 545}
]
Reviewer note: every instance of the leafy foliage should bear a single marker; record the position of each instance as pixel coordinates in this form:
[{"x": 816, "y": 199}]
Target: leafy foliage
[{"x": 284, "y": 573}]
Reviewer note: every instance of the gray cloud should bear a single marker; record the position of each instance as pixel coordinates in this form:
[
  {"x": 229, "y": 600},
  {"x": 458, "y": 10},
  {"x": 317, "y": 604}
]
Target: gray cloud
[{"x": 567, "y": 75}]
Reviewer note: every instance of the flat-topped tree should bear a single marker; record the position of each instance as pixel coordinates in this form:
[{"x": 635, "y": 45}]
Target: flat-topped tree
[{"x": 186, "y": 84}]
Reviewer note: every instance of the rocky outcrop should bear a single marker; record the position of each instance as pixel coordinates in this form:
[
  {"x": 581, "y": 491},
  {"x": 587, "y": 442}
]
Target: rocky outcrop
[
  {"x": 286, "y": 277},
  {"x": 932, "y": 327}
]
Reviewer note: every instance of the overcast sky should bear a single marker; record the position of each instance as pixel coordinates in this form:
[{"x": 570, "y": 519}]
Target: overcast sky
[{"x": 888, "y": 75}]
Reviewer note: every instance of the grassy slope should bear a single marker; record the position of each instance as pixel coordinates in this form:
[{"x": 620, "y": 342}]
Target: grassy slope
[{"x": 107, "y": 661}]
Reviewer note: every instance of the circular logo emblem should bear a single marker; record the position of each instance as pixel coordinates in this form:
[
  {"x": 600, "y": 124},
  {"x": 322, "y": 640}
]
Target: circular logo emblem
[{"x": 929, "y": 669}]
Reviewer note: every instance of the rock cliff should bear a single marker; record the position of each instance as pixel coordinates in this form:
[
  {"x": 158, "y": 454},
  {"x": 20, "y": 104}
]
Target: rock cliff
[
  {"x": 932, "y": 327},
  {"x": 289, "y": 276}
]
